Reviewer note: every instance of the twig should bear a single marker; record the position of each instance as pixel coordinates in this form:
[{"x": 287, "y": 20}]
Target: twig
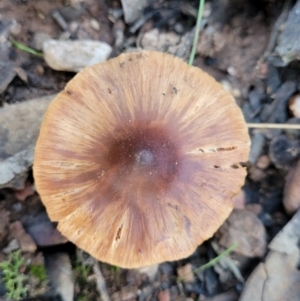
[
  {"x": 101, "y": 286},
  {"x": 196, "y": 37},
  {"x": 60, "y": 20},
  {"x": 283, "y": 126}
]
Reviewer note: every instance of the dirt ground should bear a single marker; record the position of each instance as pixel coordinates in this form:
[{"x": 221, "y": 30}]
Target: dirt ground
[{"x": 239, "y": 45}]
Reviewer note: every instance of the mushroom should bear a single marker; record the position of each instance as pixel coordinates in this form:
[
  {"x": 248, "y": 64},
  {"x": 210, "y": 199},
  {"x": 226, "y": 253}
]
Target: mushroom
[{"x": 138, "y": 159}]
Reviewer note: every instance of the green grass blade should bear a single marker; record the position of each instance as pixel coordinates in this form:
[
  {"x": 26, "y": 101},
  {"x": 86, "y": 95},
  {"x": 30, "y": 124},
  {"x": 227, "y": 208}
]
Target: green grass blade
[
  {"x": 26, "y": 48},
  {"x": 217, "y": 259},
  {"x": 196, "y": 37}
]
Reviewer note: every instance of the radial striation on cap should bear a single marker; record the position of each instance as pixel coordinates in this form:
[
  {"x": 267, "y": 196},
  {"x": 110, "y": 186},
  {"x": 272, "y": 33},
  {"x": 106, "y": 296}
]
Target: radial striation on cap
[{"x": 138, "y": 159}]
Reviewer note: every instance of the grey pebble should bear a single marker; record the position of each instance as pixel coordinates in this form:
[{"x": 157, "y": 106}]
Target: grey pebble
[
  {"x": 7, "y": 71},
  {"x": 284, "y": 151},
  {"x": 42, "y": 230},
  {"x": 133, "y": 9},
  {"x": 18, "y": 138},
  {"x": 288, "y": 48},
  {"x": 75, "y": 55},
  {"x": 38, "y": 40},
  {"x": 257, "y": 145},
  {"x": 13, "y": 245},
  {"x": 59, "y": 270}
]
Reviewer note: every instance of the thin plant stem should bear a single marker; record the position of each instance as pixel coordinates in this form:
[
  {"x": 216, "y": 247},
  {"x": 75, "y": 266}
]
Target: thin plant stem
[
  {"x": 283, "y": 126},
  {"x": 217, "y": 259},
  {"x": 196, "y": 37},
  {"x": 26, "y": 48}
]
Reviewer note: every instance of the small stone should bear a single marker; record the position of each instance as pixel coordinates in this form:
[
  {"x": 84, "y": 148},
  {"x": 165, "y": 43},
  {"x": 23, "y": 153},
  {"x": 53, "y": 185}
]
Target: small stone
[
  {"x": 257, "y": 145},
  {"x": 13, "y": 171},
  {"x": 128, "y": 292},
  {"x": 166, "y": 268},
  {"x": 244, "y": 228},
  {"x": 13, "y": 245},
  {"x": 75, "y": 55},
  {"x": 15, "y": 28},
  {"x": 39, "y": 38},
  {"x": 160, "y": 41},
  {"x": 291, "y": 198},
  {"x": 18, "y": 139},
  {"x": 179, "y": 28},
  {"x": 73, "y": 26},
  {"x": 194, "y": 288},
  {"x": 43, "y": 231},
  {"x": 174, "y": 292},
  {"x": 133, "y": 9},
  {"x": 115, "y": 13},
  {"x": 17, "y": 207},
  {"x": 232, "y": 71},
  {"x": 294, "y": 105},
  {"x": 247, "y": 112},
  {"x": 150, "y": 271},
  {"x": 95, "y": 24},
  {"x": 7, "y": 71},
  {"x": 185, "y": 273},
  {"x": 71, "y": 12},
  {"x": 21, "y": 73},
  {"x": 211, "y": 43},
  {"x": 224, "y": 273},
  {"x": 230, "y": 89},
  {"x": 116, "y": 296},
  {"x": 7, "y": 27},
  {"x": 256, "y": 174},
  {"x": 145, "y": 292},
  {"x": 59, "y": 269},
  {"x": 273, "y": 277},
  {"x": 40, "y": 70},
  {"x": 75, "y": 2},
  {"x": 288, "y": 43},
  {"x": 255, "y": 97},
  {"x": 274, "y": 79},
  {"x": 26, "y": 242},
  {"x": 284, "y": 151},
  {"x": 164, "y": 296},
  {"x": 287, "y": 240},
  {"x": 64, "y": 36},
  {"x": 263, "y": 162}
]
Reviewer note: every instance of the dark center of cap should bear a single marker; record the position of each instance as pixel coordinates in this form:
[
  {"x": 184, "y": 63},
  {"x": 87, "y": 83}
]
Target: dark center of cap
[{"x": 143, "y": 156}]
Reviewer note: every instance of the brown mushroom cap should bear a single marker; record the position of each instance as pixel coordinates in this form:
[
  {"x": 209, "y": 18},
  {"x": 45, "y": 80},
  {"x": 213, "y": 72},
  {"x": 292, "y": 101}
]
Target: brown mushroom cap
[{"x": 139, "y": 157}]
